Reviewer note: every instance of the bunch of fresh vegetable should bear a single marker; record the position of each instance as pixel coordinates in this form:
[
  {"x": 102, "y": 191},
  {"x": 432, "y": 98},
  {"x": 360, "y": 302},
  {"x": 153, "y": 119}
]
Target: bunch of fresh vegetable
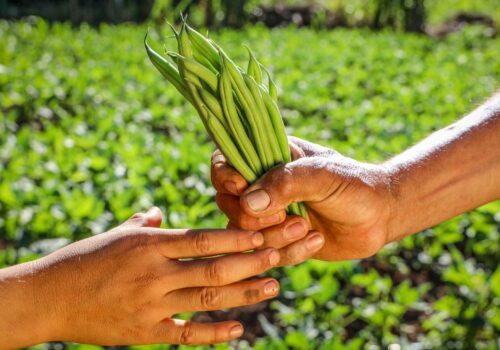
[{"x": 239, "y": 112}]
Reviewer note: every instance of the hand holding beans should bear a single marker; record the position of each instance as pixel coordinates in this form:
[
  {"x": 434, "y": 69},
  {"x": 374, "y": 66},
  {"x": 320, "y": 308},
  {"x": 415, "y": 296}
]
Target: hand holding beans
[{"x": 349, "y": 203}]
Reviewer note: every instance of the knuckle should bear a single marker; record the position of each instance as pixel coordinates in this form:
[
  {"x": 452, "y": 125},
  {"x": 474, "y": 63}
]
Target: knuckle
[
  {"x": 215, "y": 273},
  {"x": 284, "y": 178},
  {"x": 209, "y": 298},
  {"x": 241, "y": 242},
  {"x": 186, "y": 336},
  {"x": 141, "y": 308},
  {"x": 323, "y": 166},
  {"x": 246, "y": 222},
  {"x": 251, "y": 296},
  {"x": 295, "y": 256},
  {"x": 131, "y": 240},
  {"x": 136, "y": 216},
  {"x": 263, "y": 263},
  {"x": 258, "y": 261},
  {"x": 202, "y": 243},
  {"x": 133, "y": 332},
  {"x": 146, "y": 279}
]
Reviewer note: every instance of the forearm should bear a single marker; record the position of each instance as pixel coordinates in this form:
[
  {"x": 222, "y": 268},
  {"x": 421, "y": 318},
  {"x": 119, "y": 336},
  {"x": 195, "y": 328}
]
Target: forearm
[
  {"x": 452, "y": 171},
  {"x": 20, "y": 324}
]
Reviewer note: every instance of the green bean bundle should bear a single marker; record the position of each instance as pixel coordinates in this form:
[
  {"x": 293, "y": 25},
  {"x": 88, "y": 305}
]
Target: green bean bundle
[{"x": 238, "y": 110}]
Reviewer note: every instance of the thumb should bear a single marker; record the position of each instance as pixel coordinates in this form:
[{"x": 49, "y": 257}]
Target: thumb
[
  {"x": 151, "y": 218},
  {"x": 307, "y": 179}
]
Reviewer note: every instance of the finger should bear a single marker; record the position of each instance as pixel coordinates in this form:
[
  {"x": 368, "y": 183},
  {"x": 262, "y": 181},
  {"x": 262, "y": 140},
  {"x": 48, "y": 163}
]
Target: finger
[
  {"x": 301, "y": 148},
  {"x": 291, "y": 230},
  {"x": 227, "y": 269},
  {"x": 230, "y": 205},
  {"x": 173, "y": 331},
  {"x": 151, "y": 218},
  {"x": 302, "y": 250},
  {"x": 176, "y": 244},
  {"x": 217, "y": 298},
  {"x": 225, "y": 178},
  {"x": 306, "y": 179}
]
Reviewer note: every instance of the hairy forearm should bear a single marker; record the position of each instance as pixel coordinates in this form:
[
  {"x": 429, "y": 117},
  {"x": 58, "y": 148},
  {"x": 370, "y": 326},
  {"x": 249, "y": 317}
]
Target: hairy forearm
[
  {"x": 450, "y": 172},
  {"x": 19, "y": 322}
]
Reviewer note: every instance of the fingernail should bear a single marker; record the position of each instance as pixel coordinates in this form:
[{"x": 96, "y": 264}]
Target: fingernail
[
  {"x": 269, "y": 220},
  {"x": 258, "y": 200},
  {"x": 236, "y": 331},
  {"x": 274, "y": 258},
  {"x": 315, "y": 242},
  {"x": 151, "y": 210},
  {"x": 271, "y": 288},
  {"x": 219, "y": 159},
  {"x": 294, "y": 231},
  {"x": 257, "y": 239},
  {"x": 231, "y": 187}
]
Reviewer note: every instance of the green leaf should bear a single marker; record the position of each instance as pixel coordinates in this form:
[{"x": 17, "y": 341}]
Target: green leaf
[
  {"x": 297, "y": 340},
  {"x": 495, "y": 282},
  {"x": 300, "y": 277}
]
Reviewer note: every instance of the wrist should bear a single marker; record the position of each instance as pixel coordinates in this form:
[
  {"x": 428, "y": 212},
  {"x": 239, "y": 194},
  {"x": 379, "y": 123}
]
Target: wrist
[
  {"x": 46, "y": 301},
  {"x": 22, "y": 324},
  {"x": 396, "y": 223}
]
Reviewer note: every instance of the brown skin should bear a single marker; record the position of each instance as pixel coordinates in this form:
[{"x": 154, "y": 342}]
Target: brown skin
[
  {"x": 292, "y": 235},
  {"x": 125, "y": 286},
  {"x": 360, "y": 207}
]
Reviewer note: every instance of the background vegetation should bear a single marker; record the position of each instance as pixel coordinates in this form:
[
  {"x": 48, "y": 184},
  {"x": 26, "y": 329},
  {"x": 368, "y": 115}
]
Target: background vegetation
[
  {"x": 91, "y": 133},
  {"x": 412, "y": 15}
]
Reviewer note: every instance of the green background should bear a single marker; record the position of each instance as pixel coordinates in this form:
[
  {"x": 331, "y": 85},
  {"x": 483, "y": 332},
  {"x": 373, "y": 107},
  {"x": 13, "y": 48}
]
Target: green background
[{"x": 90, "y": 133}]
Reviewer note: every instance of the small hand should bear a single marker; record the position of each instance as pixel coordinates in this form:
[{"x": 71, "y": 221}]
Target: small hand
[
  {"x": 348, "y": 201},
  {"x": 125, "y": 286}
]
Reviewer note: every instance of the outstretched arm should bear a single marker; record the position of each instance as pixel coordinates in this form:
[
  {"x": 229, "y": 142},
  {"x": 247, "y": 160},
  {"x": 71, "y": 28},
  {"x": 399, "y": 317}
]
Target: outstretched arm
[
  {"x": 359, "y": 207},
  {"x": 126, "y": 285},
  {"x": 454, "y": 170}
]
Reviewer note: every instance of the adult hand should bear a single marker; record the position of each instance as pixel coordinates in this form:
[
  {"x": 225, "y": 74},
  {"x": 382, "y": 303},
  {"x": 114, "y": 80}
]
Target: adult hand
[
  {"x": 124, "y": 286},
  {"x": 348, "y": 201},
  {"x": 291, "y": 235}
]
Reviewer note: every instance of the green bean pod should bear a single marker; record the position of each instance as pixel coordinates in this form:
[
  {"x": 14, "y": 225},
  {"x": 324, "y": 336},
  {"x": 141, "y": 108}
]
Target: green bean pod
[
  {"x": 167, "y": 69},
  {"x": 278, "y": 126},
  {"x": 263, "y": 114},
  {"x": 235, "y": 124},
  {"x": 303, "y": 210},
  {"x": 253, "y": 68},
  {"x": 228, "y": 148},
  {"x": 183, "y": 43},
  {"x": 246, "y": 100},
  {"x": 271, "y": 86},
  {"x": 204, "y": 61},
  {"x": 191, "y": 80},
  {"x": 293, "y": 208},
  {"x": 185, "y": 50},
  {"x": 204, "y": 47},
  {"x": 213, "y": 105},
  {"x": 200, "y": 71}
]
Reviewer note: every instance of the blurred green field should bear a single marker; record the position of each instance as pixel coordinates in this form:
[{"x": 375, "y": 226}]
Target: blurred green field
[
  {"x": 91, "y": 133},
  {"x": 438, "y": 11}
]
